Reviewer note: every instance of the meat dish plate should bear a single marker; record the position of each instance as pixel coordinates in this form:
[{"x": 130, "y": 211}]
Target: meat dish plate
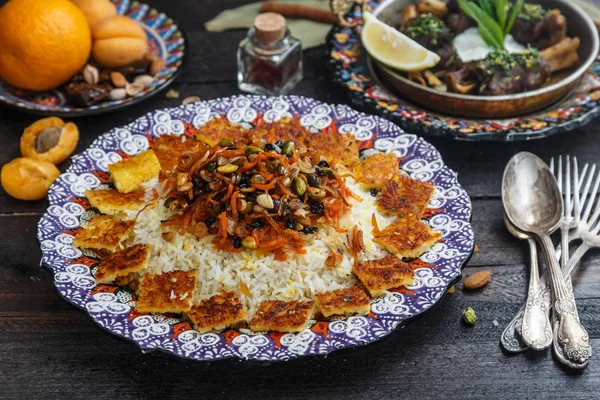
[{"x": 550, "y": 46}]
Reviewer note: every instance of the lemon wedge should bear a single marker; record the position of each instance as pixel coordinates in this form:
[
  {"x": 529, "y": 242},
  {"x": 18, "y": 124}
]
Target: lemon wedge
[{"x": 393, "y": 48}]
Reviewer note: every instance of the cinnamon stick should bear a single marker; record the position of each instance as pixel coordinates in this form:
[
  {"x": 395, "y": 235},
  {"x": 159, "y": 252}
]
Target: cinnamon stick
[{"x": 301, "y": 12}]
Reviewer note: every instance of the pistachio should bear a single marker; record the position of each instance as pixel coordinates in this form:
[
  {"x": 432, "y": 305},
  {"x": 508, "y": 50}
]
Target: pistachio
[
  {"x": 281, "y": 170},
  {"x": 314, "y": 180},
  {"x": 190, "y": 99},
  {"x": 257, "y": 179},
  {"x": 211, "y": 166},
  {"x": 469, "y": 316},
  {"x": 91, "y": 74},
  {"x": 243, "y": 206},
  {"x": 117, "y": 94},
  {"x": 227, "y": 168},
  {"x": 172, "y": 94},
  {"x": 225, "y": 142},
  {"x": 316, "y": 193},
  {"x": 157, "y": 65},
  {"x": 118, "y": 79},
  {"x": 181, "y": 178},
  {"x": 249, "y": 242},
  {"x": 299, "y": 227},
  {"x": 253, "y": 150},
  {"x": 144, "y": 80},
  {"x": 252, "y": 156},
  {"x": 47, "y": 139},
  {"x": 265, "y": 201},
  {"x": 287, "y": 147},
  {"x": 299, "y": 186},
  {"x": 185, "y": 187}
]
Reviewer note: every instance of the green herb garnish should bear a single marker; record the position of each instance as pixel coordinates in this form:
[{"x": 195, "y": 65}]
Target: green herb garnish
[
  {"x": 492, "y": 17},
  {"x": 424, "y": 25},
  {"x": 532, "y": 12}
]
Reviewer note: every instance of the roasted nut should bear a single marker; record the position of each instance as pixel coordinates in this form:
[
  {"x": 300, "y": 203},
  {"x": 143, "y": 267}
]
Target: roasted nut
[
  {"x": 477, "y": 280},
  {"x": 118, "y": 79},
  {"x": 190, "y": 99},
  {"x": 90, "y": 74},
  {"x": 28, "y": 178},
  {"x": 157, "y": 65},
  {"x": 185, "y": 187},
  {"x": 144, "y": 80},
  {"x": 265, "y": 201},
  {"x": 316, "y": 193},
  {"x": 133, "y": 89},
  {"x": 181, "y": 178},
  {"x": 258, "y": 209},
  {"x": 117, "y": 94},
  {"x": 49, "y": 139},
  {"x": 172, "y": 94},
  {"x": 225, "y": 142},
  {"x": 258, "y": 180},
  {"x": 253, "y": 150},
  {"x": 287, "y": 147}
]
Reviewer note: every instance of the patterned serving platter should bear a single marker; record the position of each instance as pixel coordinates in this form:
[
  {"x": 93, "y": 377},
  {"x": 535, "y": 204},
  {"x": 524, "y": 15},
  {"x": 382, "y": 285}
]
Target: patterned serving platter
[
  {"x": 348, "y": 65},
  {"x": 113, "y": 308},
  {"x": 165, "y": 39}
]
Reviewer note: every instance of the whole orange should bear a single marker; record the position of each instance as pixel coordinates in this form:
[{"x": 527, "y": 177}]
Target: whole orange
[{"x": 42, "y": 43}]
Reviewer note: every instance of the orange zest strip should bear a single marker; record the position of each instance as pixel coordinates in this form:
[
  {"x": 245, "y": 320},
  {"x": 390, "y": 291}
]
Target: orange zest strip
[
  {"x": 267, "y": 186},
  {"x": 222, "y": 233},
  {"x": 229, "y": 192},
  {"x": 374, "y": 223}
]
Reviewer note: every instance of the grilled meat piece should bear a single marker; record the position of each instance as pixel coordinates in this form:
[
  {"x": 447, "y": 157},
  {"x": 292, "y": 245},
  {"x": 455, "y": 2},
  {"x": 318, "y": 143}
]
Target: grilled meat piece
[
  {"x": 433, "y": 34},
  {"x": 539, "y": 28},
  {"x": 500, "y": 73}
]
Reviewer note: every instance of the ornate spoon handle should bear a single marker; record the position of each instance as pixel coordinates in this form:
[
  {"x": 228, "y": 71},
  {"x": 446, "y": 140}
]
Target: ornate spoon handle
[
  {"x": 510, "y": 338},
  {"x": 570, "y": 338},
  {"x": 536, "y": 330}
]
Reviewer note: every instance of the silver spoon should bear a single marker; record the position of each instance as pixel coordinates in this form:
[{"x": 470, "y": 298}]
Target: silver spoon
[
  {"x": 536, "y": 330},
  {"x": 533, "y": 203}
]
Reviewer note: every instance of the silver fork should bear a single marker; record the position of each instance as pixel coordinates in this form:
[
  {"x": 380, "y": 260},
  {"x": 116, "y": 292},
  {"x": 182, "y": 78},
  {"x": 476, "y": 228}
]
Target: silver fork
[{"x": 510, "y": 339}]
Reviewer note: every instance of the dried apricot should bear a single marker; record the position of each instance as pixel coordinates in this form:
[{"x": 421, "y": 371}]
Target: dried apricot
[
  {"x": 27, "y": 178},
  {"x": 50, "y": 140}
]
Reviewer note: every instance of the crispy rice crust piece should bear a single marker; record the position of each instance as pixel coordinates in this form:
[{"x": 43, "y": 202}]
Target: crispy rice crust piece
[
  {"x": 220, "y": 128},
  {"x": 217, "y": 313},
  {"x": 374, "y": 171},
  {"x": 282, "y": 316},
  {"x": 283, "y": 130},
  {"x": 122, "y": 263},
  {"x": 337, "y": 148},
  {"x": 103, "y": 233},
  {"x": 168, "y": 148},
  {"x": 111, "y": 202},
  {"x": 405, "y": 197},
  {"x": 380, "y": 275},
  {"x": 130, "y": 173},
  {"x": 343, "y": 302},
  {"x": 407, "y": 237},
  {"x": 169, "y": 292}
]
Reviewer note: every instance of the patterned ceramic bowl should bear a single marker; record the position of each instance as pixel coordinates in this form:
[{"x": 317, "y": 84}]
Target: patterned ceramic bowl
[
  {"x": 113, "y": 308},
  {"x": 350, "y": 69},
  {"x": 165, "y": 39}
]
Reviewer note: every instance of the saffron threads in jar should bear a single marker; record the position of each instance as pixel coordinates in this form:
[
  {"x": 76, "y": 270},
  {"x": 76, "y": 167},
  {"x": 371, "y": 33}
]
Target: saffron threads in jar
[{"x": 269, "y": 58}]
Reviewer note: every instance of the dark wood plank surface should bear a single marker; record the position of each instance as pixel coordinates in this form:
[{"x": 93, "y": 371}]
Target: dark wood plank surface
[{"x": 49, "y": 349}]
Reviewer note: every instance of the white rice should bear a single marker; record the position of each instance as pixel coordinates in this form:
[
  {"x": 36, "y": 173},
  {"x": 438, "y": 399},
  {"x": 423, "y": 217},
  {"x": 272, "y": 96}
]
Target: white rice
[{"x": 298, "y": 278}]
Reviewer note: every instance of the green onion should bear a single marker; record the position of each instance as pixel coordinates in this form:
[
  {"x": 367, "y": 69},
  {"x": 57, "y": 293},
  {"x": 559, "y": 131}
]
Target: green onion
[
  {"x": 491, "y": 32},
  {"x": 516, "y": 9}
]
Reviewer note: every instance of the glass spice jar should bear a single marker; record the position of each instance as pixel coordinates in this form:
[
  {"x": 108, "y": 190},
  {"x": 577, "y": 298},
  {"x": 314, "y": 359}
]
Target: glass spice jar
[{"x": 269, "y": 59}]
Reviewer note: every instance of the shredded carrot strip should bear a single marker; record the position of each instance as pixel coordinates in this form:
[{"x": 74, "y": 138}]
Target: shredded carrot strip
[
  {"x": 280, "y": 255},
  {"x": 234, "y": 210},
  {"x": 191, "y": 194},
  {"x": 186, "y": 222},
  {"x": 340, "y": 230},
  {"x": 267, "y": 186},
  {"x": 284, "y": 190},
  {"x": 251, "y": 164},
  {"x": 155, "y": 194},
  {"x": 255, "y": 236},
  {"x": 229, "y": 192},
  {"x": 374, "y": 223},
  {"x": 222, "y": 227}
]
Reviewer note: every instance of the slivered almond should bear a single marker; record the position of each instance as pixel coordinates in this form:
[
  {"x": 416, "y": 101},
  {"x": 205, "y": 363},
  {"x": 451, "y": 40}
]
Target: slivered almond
[{"x": 477, "y": 280}]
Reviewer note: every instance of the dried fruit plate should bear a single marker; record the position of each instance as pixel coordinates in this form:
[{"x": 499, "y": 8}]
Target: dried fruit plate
[
  {"x": 112, "y": 307},
  {"x": 165, "y": 39},
  {"x": 350, "y": 69}
]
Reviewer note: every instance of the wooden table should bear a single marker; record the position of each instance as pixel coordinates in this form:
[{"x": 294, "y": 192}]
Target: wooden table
[{"x": 50, "y": 349}]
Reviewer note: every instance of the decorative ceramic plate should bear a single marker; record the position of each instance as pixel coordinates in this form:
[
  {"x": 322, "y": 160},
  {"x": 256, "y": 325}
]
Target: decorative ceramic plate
[
  {"x": 349, "y": 67},
  {"x": 112, "y": 307},
  {"x": 165, "y": 40}
]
